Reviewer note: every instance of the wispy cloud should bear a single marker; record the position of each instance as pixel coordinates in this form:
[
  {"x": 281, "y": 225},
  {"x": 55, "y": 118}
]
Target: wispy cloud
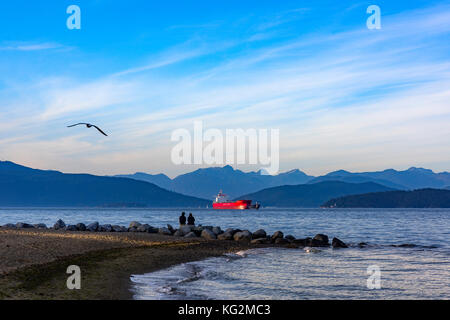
[{"x": 30, "y": 46}]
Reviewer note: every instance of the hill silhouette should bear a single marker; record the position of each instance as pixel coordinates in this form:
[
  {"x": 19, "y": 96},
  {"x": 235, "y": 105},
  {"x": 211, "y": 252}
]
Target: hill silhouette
[
  {"x": 423, "y": 198},
  {"x": 310, "y": 195},
  {"x": 26, "y": 187}
]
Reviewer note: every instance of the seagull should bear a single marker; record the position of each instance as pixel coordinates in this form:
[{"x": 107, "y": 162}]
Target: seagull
[{"x": 88, "y": 125}]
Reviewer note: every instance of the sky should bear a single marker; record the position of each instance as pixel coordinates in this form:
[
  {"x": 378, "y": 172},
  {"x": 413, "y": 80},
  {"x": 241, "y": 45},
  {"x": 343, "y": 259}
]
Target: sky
[{"x": 341, "y": 95}]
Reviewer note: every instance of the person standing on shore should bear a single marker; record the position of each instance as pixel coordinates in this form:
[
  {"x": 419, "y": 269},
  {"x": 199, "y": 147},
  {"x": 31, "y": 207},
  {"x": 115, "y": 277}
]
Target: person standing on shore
[
  {"x": 182, "y": 219},
  {"x": 191, "y": 220}
]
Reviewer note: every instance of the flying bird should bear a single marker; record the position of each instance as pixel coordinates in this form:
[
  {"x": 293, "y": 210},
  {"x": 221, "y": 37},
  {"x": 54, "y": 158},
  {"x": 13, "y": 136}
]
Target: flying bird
[{"x": 88, "y": 125}]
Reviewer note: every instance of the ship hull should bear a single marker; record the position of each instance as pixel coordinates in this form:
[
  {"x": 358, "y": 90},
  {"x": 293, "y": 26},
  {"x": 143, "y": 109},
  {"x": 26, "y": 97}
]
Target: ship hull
[{"x": 235, "y": 205}]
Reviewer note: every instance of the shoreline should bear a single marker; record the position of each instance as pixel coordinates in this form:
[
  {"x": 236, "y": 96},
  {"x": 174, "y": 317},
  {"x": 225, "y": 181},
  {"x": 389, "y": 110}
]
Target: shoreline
[{"x": 106, "y": 260}]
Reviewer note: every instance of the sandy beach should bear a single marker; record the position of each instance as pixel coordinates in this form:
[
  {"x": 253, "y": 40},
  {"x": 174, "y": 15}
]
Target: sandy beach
[{"x": 33, "y": 263}]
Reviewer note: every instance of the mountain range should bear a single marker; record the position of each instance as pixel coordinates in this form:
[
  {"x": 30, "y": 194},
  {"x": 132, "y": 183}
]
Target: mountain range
[
  {"x": 205, "y": 183},
  {"x": 21, "y": 186},
  {"x": 25, "y": 187}
]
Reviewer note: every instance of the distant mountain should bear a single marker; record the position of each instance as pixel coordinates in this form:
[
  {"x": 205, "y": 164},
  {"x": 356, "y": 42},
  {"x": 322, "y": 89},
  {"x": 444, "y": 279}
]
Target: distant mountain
[
  {"x": 413, "y": 178},
  {"x": 25, "y": 187},
  {"x": 356, "y": 178},
  {"x": 310, "y": 195},
  {"x": 161, "y": 180},
  {"x": 424, "y": 198},
  {"x": 206, "y": 183}
]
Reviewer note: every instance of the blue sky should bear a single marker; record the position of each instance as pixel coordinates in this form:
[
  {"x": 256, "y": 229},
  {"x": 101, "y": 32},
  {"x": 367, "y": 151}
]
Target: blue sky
[{"x": 342, "y": 96}]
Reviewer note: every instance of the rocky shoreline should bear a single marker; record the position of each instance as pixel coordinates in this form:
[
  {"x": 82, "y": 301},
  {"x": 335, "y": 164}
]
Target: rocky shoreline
[{"x": 191, "y": 232}]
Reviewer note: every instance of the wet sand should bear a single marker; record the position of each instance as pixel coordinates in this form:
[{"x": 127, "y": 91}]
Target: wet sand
[{"x": 33, "y": 263}]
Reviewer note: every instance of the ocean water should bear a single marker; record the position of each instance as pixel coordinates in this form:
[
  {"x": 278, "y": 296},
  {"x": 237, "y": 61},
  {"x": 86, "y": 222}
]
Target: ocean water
[{"x": 420, "y": 270}]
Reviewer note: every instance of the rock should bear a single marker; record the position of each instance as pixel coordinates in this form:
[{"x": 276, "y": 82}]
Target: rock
[
  {"x": 106, "y": 228},
  {"x": 208, "y": 234},
  {"x": 116, "y": 228},
  {"x": 243, "y": 236},
  {"x": 336, "y": 243},
  {"x": 134, "y": 224},
  {"x": 171, "y": 229},
  {"x": 232, "y": 231},
  {"x": 23, "y": 225},
  {"x": 71, "y": 227},
  {"x": 40, "y": 226},
  {"x": 184, "y": 230},
  {"x": 164, "y": 231},
  {"x": 152, "y": 230},
  {"x": 281, "y": 241},
  {"x": 320, "y": 240},
  {"x": 93, "y": 227},
  {"x": 302, "y": 242},
  {"x": 59, "y": 225},
  {"x": 177, "y": 233},
  {"x": 362, "y": 244},
  {"x": 276, "y": 235},
  {"x": 191, "y": 235},
  {"x": 141, "y": 227},
  {"x": 81, "y": 227},
  {"x": 290, "y": 237},
  {"x": 225, "y": 236},
  {"x": 217, "y": 231},
  {"x": 259, "y": 234},
  {"x": 9, "y": 226},
  {"x": 260, "y": 241}
]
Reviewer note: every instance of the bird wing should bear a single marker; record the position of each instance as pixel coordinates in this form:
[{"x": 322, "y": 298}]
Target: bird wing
[
  {"x": 77, "y": 124},
  {"x": 100, "y": 130}
]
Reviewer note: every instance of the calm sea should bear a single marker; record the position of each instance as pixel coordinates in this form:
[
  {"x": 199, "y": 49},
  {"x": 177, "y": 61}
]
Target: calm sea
[{"x": 419, "y": 271}]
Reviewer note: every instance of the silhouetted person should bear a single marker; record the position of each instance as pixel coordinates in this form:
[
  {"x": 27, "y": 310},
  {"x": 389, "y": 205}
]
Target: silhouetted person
[
  {"x": 182, "y": 219},
  {"x": 191, "y": 220}
]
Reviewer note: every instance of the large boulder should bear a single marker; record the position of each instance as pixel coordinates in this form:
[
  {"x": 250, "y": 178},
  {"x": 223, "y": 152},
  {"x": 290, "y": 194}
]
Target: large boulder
[
  {"x": 59, "y": 225},
  {"x": 320, "y": 240},
  {"x": 71, "y": 227},
  {"x": 276, "y": 235},
  {"x": 93, "y": 227},
  {"x": 116, "y": 228},
  {"x": 23, "y": 225},
  {"x": 171, "y": 229},
  {"x": 184, "y": 230},
  {"x": 208, "y": 234},
  {"x": 281, "y": 241},
  {"x": 260, "y": 241},
  {"x": 243, "y": 236},
  {"x": 141, "y": 227},
  {"x": 336, "y": 243},
  {"x": 191, "y": 235},
  {"x": 9, "y": 226},
  {"x": 302, "y": 242},
  {"x": 81, "y": 227},
  {"x": 106, "y": 228},
  {"x": 232, "y": 231},
  {"x": 164, "y": 231},
  {"x": 217, "y": 231},
  {"x": 225, "y": 236},
  {"x": 134, "y": 224},
  {"x": 290, "y": 237},
  {"x": 177, "y": 233},
  {"x": 259, "y": 234},
  {"x": 40, "y": 226}
]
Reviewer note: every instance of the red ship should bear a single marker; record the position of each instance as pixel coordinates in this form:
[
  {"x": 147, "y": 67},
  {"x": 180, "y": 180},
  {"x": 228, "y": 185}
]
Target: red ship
[{"x": 221, "y": 202}]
